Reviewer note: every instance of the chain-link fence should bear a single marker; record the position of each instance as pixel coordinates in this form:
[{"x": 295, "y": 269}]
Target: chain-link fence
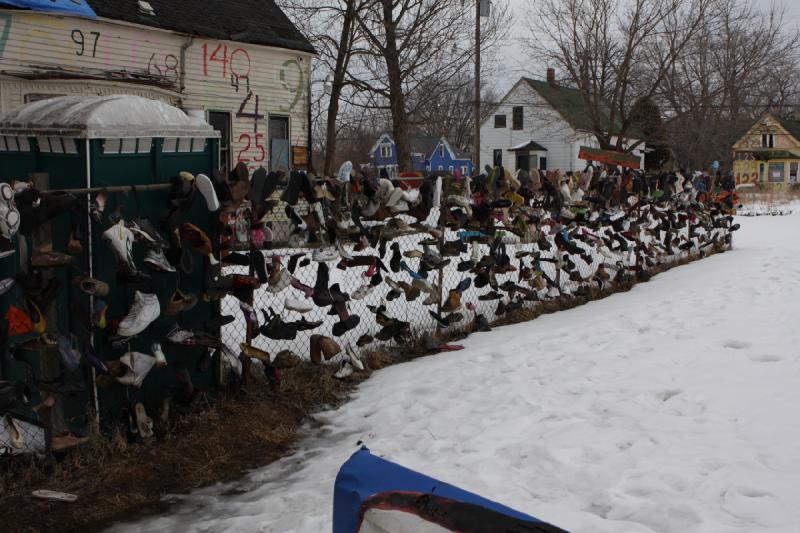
[{"x": 450, "y": 279}]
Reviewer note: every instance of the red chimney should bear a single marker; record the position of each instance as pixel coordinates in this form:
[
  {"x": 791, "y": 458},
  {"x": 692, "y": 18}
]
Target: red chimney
[{"x": 551, "y": 76}]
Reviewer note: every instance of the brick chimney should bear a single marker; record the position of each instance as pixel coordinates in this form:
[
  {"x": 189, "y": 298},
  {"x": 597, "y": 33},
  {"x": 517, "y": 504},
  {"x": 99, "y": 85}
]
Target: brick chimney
[{"x": 551, "y": 76}]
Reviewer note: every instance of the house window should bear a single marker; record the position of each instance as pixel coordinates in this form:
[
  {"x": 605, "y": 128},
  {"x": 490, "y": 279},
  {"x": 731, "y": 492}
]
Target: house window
[
  {"x": 776, "y": 172},
  {"x": 441, "y": 167},
  {"x": 499, "y": 121},
  {"x": 451, "y": 169},
  {"x": 517, "y": 119},
  {"x": 464, "y": 170},
  {"x": 542, "y": 163},
  {"x": 792, "y": 172},
  {"x": 441, "y": 150},
  {"x": 128, "y": 145},
  {"x": 278, "y": 148},
  {"x": 386, "y": 150},
  {"x": 498, "y": 158},
  {"x": 767, "y": 140},
  {"x": 169, "y": 145}
]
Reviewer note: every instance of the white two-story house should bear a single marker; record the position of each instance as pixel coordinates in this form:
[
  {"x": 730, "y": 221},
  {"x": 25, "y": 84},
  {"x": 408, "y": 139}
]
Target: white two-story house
[{"x": 539, "y": 124}]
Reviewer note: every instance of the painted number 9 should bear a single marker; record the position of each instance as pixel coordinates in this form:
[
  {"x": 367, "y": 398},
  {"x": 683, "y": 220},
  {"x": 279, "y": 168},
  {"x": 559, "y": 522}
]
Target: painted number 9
[{"x": 80, "y": 40}]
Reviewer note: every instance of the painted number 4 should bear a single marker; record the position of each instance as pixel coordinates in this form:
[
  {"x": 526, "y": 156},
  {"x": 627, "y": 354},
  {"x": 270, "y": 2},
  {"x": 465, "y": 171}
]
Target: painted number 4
[{"x": 254, "y": 115}]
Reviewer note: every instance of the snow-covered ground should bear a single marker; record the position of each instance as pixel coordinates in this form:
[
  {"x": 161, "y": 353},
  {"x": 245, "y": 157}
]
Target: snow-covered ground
[{"x": 669, "y": 408}]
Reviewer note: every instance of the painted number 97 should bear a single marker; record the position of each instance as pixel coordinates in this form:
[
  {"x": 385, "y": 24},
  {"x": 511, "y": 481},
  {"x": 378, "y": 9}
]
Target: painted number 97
[{"x": 79, "y": 39}]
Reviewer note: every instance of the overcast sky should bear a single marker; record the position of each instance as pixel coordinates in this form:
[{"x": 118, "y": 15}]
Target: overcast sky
[{"x": 515, "y": 63}]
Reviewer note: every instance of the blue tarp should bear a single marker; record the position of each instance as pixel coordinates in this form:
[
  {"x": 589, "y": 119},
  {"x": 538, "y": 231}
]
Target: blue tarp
[
  {"x": 70, "y": 7},
  {"x": 369, "y": 482}
]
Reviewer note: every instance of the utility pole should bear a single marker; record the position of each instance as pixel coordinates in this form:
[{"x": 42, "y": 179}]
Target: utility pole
[{"x": 477, "y": 157}]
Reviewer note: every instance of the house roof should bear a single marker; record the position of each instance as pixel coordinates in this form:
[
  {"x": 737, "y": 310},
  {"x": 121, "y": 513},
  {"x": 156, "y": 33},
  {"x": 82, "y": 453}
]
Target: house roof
[
  {"x": 569, "y": 103},
  {"x": 792, "y": 126},
  {"x": 528, "y": 146},
  {"x": 248, "y": 21},
  {"x": 422, "y": 144}
]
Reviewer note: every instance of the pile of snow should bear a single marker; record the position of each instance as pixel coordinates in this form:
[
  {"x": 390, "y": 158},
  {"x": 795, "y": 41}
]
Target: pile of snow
[{"x": 670, "y": 408}]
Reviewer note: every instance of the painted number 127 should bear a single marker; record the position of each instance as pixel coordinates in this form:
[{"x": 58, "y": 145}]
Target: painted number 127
[{"x": 80, "y": 40}]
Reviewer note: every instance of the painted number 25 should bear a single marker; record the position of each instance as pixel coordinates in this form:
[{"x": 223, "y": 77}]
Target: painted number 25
[
  {"x": 262, "y": 153},
  {"x": 80, "y": 40}
]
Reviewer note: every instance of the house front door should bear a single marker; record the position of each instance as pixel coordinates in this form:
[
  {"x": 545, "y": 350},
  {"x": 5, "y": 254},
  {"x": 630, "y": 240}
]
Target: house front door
[{"x": 523, "y": 161}]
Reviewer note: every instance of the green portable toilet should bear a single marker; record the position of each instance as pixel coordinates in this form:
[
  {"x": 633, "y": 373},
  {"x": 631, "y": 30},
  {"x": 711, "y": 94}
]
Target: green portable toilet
[{"x": 105, "y": 142}]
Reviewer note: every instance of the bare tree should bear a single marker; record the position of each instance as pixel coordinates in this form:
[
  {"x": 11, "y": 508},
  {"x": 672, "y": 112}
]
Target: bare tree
[
  {"x": 413, "y": 54},
  {"x": 739, "y": 66},
  {"x": 615, "y": 52},
  {"x": 451, "y": 116},
  {"x": 331, "y": 27}
]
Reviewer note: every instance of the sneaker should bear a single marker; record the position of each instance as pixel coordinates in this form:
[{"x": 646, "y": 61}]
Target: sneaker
[
  {"x": 294, "y": 304},
  {"x": 144, "y": 311},
  {"x": 120, "y": 239},
  {"x": 180, "y": 336},
  {"x": 206, "y": 188},
  {"x": 322, "y": 255},
  {"x": 156, "y": 259},
  {"x": 354, "y": 359}
]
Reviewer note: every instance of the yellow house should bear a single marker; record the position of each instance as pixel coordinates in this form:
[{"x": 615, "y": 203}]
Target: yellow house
[{"x": 769, "y": 152}]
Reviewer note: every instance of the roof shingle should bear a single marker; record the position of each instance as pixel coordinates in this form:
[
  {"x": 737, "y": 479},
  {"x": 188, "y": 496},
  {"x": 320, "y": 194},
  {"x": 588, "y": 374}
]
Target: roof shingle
[{"x": 248, "y": 21}]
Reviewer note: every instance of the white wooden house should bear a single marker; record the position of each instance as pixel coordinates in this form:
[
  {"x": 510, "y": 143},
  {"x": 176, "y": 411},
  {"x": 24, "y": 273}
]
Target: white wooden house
[
  {"x": 538, "y": 124},
  {"x": 240, "y": 64}
]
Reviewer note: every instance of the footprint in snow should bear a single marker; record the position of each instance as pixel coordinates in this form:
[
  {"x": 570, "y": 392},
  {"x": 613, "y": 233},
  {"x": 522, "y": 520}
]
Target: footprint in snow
[
  {"x": 667, "y": 394},
  {"x": 766, "y": 358},
  {"x": 737, "y": 345}
]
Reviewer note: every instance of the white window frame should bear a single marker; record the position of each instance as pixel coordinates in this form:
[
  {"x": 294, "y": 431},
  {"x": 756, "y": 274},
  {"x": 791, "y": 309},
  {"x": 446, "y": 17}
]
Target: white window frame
[
  {"x": 768, "y": 140},
  {"x": 386, "y": 150},
  {"x": 464, "y": 170}
]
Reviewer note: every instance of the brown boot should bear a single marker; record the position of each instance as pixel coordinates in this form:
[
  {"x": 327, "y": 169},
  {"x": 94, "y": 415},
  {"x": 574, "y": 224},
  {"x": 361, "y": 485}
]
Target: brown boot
[{"x": 255, "y": 353}]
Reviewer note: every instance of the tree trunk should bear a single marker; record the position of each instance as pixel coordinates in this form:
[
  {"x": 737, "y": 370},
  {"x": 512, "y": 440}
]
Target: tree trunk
[
  {"x": 342, "y": 60},
  {"x": 397, "y": 101}
]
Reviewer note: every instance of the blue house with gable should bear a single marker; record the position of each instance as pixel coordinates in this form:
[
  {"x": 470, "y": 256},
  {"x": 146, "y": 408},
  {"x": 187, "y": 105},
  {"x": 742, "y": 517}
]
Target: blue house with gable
[{"x": 427, "y": 154}]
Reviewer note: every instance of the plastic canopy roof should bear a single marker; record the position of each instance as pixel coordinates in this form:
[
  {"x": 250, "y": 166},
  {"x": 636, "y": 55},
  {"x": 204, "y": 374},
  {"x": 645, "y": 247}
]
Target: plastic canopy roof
[{"x": 103, "y": 117}]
